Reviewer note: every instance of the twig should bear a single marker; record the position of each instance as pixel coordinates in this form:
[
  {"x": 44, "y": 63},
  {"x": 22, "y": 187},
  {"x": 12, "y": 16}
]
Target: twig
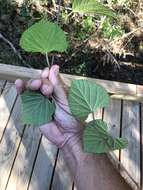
[
  {"x": 126, "y": 35},
  {"x": 13, "y": 48},
  {"x": 112, "y": 56},
  {"x": 128, "y": 8},
  {"x": 124, "y": 46}
]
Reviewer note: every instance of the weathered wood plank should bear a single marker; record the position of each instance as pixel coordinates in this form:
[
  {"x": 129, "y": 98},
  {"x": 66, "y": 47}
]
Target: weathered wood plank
[
  {"x": 127, "y": 97},
  {"x": 62, "y": 179},
  {"x": 2, "y": 83},
  {"x": 112, "y": 115},
  {"x": 111, "y": 86},
  {"x": 140, "y": 90},
  {"x": 10, "y": 143},
  {"x": 7, "y": 100},
  {"x": 142, "y": 146},
  {"x": 130, "y": 157},
  {"x": 22, "y": 168},
  {"x": 42, "y": 173},
  {"x": 10, "y": 72}
]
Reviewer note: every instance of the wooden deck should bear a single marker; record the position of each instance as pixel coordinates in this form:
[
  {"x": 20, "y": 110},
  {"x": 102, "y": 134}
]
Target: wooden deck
[{"x": 30, "y": 162}]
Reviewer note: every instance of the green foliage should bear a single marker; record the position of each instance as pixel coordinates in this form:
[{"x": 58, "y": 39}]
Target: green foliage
[
  {"x": 85, "y": 28},
  {"x": 87, "y": 24},
  {"x": 44, "y": 37},
  {"x": 92, "y": 6},
  {"x": 86, "y": 97},
  {"x": 111, "y": 30},
  {"x": 37, "y": 109},
  {"x": 96, "y": 139}
]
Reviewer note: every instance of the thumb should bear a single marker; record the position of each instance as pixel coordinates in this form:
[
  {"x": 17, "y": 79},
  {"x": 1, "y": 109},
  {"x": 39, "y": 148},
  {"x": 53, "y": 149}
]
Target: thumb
[{"x": 52, "y": 133}]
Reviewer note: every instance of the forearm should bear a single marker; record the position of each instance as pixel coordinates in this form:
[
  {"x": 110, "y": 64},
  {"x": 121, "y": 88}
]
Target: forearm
[{"x": 92, "y": 172}]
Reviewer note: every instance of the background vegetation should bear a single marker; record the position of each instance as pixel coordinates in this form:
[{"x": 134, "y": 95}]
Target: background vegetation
[{"x": 97, "y": 44}]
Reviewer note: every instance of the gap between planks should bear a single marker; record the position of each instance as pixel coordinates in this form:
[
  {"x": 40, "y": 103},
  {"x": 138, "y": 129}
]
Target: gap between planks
[{"x": 7, "y": 102}]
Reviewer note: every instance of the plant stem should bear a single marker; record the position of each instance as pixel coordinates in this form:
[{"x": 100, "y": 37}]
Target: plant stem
[
  {"x": 93, "y": 116},
  {"x": 47, "y": 59}
]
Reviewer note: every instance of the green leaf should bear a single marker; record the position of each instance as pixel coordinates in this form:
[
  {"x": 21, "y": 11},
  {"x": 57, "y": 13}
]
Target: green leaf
[
  {"x": 44, "y": 37},
  {"x": 37, "y": 109},
  {"x": 92, "y": 6},
  {"x": 96, "y": 139},
  {"x": 120, "y": 143},
  {"x": 86, "y": 97}
]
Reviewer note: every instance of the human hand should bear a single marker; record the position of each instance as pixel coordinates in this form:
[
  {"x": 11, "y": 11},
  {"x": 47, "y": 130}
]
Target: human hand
[{"x": 64, "y": 127}]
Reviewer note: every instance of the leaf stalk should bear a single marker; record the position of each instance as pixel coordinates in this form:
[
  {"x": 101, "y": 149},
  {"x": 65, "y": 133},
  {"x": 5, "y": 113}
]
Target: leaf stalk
[
  {"x": 47, "y": 59},
  {"x": 93, "y": 116}
]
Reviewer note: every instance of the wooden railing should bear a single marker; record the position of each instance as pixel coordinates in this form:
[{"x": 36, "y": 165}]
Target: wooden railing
[{"x": 117, "y": 90}]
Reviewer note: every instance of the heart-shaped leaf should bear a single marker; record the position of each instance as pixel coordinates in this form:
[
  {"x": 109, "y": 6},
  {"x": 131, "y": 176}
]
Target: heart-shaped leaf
[
  {"x": 86, "y": 97},
  {"x": 44, "y": 37},
  {"x": 37, "y": 109},
  {"x": 92, "y": 6},
  {"x": 96, "y": 139}
]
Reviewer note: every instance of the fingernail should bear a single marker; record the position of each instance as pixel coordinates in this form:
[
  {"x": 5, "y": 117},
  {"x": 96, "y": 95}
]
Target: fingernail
[
  {"x": 19, "y": 86},
  {"x": 18, "y": 82}
]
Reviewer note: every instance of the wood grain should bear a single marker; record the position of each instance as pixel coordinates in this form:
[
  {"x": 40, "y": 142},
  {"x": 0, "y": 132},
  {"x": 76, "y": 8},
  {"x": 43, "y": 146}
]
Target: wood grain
[
  {"x": 111, "y": 86},
  {"x": 112, "y": 115},
  {"x": 142, "y": 146},
  {"x": 9, "y": 144},
  {"x": 130, "y": 157},
  {"x": 22, "y": 168},
  {"x": 62, "y": 179},
  {"x": 42, "y": 173},
  {"x": 2, "y": 83},
  {"x": 7, "y": 100},
  {"x": 11, "y": 72}
]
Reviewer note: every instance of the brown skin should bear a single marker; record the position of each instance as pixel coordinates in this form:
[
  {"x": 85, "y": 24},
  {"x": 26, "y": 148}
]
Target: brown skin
[{"x": 90, "y": 172}]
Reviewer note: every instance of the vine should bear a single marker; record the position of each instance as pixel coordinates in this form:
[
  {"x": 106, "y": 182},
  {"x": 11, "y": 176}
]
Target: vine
[{"x": 84, "y": 96}]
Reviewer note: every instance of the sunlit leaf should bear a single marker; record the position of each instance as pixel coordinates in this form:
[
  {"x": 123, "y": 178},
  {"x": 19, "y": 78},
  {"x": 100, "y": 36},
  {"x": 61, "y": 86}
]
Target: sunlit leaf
[
  {"x": 86, "y": 97},
  {"x": 92, "y": 6},
  {"x": 44, "y": 37},
  {"x": 96, "y": 139},
  {"x": 37, "y": 109}
]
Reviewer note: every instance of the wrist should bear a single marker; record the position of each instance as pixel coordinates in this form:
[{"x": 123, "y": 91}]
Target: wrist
[{"x": 73, "y": 149}]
